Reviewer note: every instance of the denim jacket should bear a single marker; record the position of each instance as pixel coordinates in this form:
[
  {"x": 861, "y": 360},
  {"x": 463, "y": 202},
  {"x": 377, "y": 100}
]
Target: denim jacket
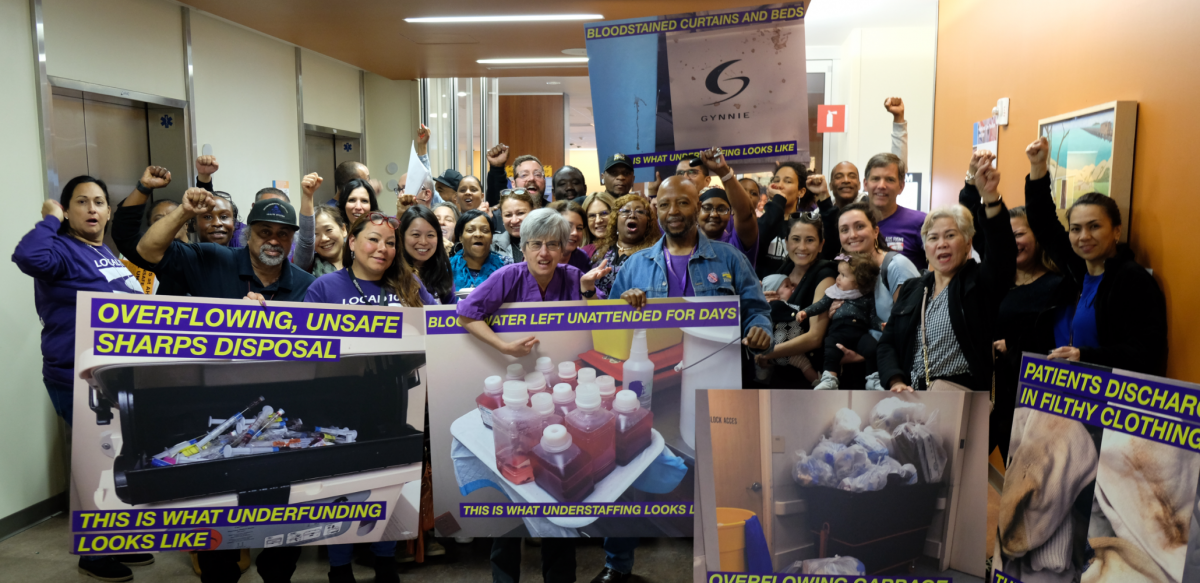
[{"x": 712, "y": 260}]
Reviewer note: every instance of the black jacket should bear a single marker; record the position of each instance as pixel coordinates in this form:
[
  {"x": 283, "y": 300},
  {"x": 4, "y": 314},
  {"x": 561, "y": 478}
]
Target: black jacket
[
  {"x": 1131, "y": 311},
  {"x": 975, "y": 295},
  {"x": 772, "y": 222}
]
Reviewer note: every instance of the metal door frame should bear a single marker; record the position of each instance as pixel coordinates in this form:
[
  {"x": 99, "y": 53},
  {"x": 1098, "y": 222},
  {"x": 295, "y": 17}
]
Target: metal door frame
[{"x": 47, "y": 83}]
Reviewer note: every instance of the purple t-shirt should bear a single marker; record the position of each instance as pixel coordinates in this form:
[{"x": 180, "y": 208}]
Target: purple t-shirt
[
  {"x": 677, "y": 275},
  {"x": 61, "y": 267},
  {"x": 514, "y": 283},
  {"x": 730, "y": 236},
  {"x": 902, "y": 231},
  {"x": 579, "y": 259},
  {"x": 336, "y": 288}
]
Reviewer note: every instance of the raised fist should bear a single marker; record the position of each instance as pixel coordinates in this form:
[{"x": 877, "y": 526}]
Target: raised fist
[
  {"x": 423, "y": 135},
  {"x": 155, "y": 177},
  {"x": 498, "y": 155},
  {"x": 206, "y": 166},
  {"x": 197, "y": 201},
  {"x": 714, "y": 161},
  {"x": 310, "y": 183},
  {"x": 895, "y": 106},
  {"x": 817, "y": 185},
  {"x": 403, "y": 202},
  {"x": 979, "y": 159},
  {"x": 51, "y": 207},
  {"x": 1038, "y": 151}
]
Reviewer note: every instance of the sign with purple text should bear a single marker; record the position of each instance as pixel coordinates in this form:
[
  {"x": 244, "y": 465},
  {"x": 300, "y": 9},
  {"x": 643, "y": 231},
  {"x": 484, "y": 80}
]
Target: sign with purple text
[
  {"x": 668, "y": 86},
  {"x": 564, "y": 419},
  {"x": 1101, "y": 476},
  {"x": 203, "y": 424}
]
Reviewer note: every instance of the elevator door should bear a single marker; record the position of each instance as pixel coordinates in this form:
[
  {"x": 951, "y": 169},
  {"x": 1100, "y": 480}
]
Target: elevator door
[
  {"x": 318, "y": 157},
  {"x": 102, "y": 139}
]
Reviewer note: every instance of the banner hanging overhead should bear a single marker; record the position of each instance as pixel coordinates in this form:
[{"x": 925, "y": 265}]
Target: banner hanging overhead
[{"x": 666, "y": 85}]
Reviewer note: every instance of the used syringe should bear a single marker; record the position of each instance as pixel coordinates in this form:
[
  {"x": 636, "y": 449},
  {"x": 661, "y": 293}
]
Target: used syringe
[
  {"x": 222, "y": 427},
  {"x": 257, "y": 429}
]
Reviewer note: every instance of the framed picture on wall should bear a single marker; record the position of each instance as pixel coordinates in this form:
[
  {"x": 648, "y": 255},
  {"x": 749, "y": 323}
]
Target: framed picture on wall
[{"x": 1091, "y": 150}]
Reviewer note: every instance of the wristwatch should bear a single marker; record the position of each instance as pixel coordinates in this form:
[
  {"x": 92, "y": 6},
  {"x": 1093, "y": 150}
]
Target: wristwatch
[
  {"x": 142, "y": 188},
  {"x": 589, "y": 294},
  {"x": 988, "y": 205}
]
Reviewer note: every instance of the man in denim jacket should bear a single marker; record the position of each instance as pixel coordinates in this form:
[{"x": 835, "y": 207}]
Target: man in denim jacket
[{"x": 686, "y": 263}]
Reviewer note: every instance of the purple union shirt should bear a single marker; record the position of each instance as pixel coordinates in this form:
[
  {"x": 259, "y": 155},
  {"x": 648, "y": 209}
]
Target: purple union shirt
[
  {"x": 902, "y": 232},
  {"x": 336, "y": 288},
  {"x": 514, "y": 283}
]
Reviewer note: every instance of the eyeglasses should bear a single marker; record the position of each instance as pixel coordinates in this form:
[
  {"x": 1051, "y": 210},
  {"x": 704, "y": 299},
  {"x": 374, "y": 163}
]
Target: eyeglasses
[
  {"x": 536, "y": 246},
  {"x": 599, "y": 215},
  {"x": 528, "y": 175},
  {"x": 378, "y": 218},
  {"x": 720, "y": 210},
  {"x": 626, "y": 213},
  {"x": 511, "y": 191}
]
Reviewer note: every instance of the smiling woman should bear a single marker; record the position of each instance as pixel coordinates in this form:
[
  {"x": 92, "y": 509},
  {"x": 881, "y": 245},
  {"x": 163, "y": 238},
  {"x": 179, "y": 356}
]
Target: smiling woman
[
  {"x": 421, "y": 235},
  {"x": 474, "y": 261}
]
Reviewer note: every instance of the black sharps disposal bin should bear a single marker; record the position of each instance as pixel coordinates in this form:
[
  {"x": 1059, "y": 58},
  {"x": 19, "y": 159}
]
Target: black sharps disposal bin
[{"x": 163, "y": 404}]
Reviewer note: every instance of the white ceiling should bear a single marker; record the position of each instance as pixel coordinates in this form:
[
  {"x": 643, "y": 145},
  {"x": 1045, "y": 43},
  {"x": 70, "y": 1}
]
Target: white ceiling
[{"x": 827, "y": 23}]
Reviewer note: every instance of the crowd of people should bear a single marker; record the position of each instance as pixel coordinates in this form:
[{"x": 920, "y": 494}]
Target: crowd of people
[{"x": 839, "y": 285}]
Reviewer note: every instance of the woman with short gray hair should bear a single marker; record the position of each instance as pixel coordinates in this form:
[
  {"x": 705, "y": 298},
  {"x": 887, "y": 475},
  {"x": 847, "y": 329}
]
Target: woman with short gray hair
[
  {"x": 943, "y": 322},
  {"x": 540, "y": 278}
]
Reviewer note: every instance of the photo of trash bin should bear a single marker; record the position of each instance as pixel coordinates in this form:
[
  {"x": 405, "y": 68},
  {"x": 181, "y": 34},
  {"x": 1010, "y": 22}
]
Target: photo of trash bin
[
  {"x": 844, "y": 483},
  {"x": 175, "y": 432}
]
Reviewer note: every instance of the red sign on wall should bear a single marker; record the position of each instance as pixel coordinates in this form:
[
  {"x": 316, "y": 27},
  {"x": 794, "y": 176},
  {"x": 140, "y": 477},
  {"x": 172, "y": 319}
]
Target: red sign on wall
[{"x": 831, "y": 119}]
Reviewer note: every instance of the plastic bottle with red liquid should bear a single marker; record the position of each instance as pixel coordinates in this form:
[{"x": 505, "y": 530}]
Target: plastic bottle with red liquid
[
  {"x": 560, "y": 467},
  {"x": 546, "y": 367},
  {"x": 592, "y": 428},
  {"x": 564, "y": 399},
  {"x": 514, "y": 429},
  {"x": 515, "y": 372},
  {"x": 490, "y": 399},
  {"x": 543, "y": 405},
  {"x": 632, "y": 427},
  {"x": 536, "y": 383},
  {"x": 586, "y": 375},
  {"x": 567, "y": 374},
  {"x": 608, "y": 391}
]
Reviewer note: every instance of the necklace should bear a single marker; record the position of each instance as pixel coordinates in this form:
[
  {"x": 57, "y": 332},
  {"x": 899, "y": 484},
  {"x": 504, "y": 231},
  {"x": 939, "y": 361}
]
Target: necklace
[
  {"x": 1028, "y": 279},
  {"x": 623, "y": 249}
]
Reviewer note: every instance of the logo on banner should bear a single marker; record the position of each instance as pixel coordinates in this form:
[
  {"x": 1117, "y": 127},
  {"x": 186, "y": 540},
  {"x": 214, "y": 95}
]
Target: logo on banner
[
  {"x": 712, "y": 83},
  {"x": 831, "y": 119}
]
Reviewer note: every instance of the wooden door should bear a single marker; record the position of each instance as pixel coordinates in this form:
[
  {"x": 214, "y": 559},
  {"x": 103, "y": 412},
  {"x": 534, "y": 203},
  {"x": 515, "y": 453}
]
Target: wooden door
[{"x": 737, "y": 463}]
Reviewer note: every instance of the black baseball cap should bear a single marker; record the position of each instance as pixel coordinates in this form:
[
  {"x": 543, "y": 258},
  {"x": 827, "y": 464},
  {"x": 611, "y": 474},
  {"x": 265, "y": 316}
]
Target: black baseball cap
[
  {"x": 273, "y": 210},
  {"x": 617, "y": 159},
  {"x": 450, "y": 178}
]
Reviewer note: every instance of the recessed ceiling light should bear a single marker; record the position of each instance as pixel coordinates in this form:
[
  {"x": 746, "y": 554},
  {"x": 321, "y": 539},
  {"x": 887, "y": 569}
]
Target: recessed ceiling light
[
  {"x": 575, "y": 52},
  {"x": 506, "y": 18},
  {"x": 553, "y": 83},
  {"x": 533, "y": 61},
  {"x": 462, "y": 93}
]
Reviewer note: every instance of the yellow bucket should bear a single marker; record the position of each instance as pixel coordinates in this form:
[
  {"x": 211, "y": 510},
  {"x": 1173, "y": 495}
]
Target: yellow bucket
[
  {"x": 731, "y": 538},
  {"x": 615, "y": 343}
]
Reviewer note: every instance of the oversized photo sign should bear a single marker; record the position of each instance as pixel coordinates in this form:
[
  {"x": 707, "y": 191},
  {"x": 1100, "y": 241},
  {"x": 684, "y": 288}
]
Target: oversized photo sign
[
  {"x": 665, "y": 87},
  {"x": 216, "y": 424},
  {"x": 592, "y": 433},
  {"x": 1100, "y": 482}
]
